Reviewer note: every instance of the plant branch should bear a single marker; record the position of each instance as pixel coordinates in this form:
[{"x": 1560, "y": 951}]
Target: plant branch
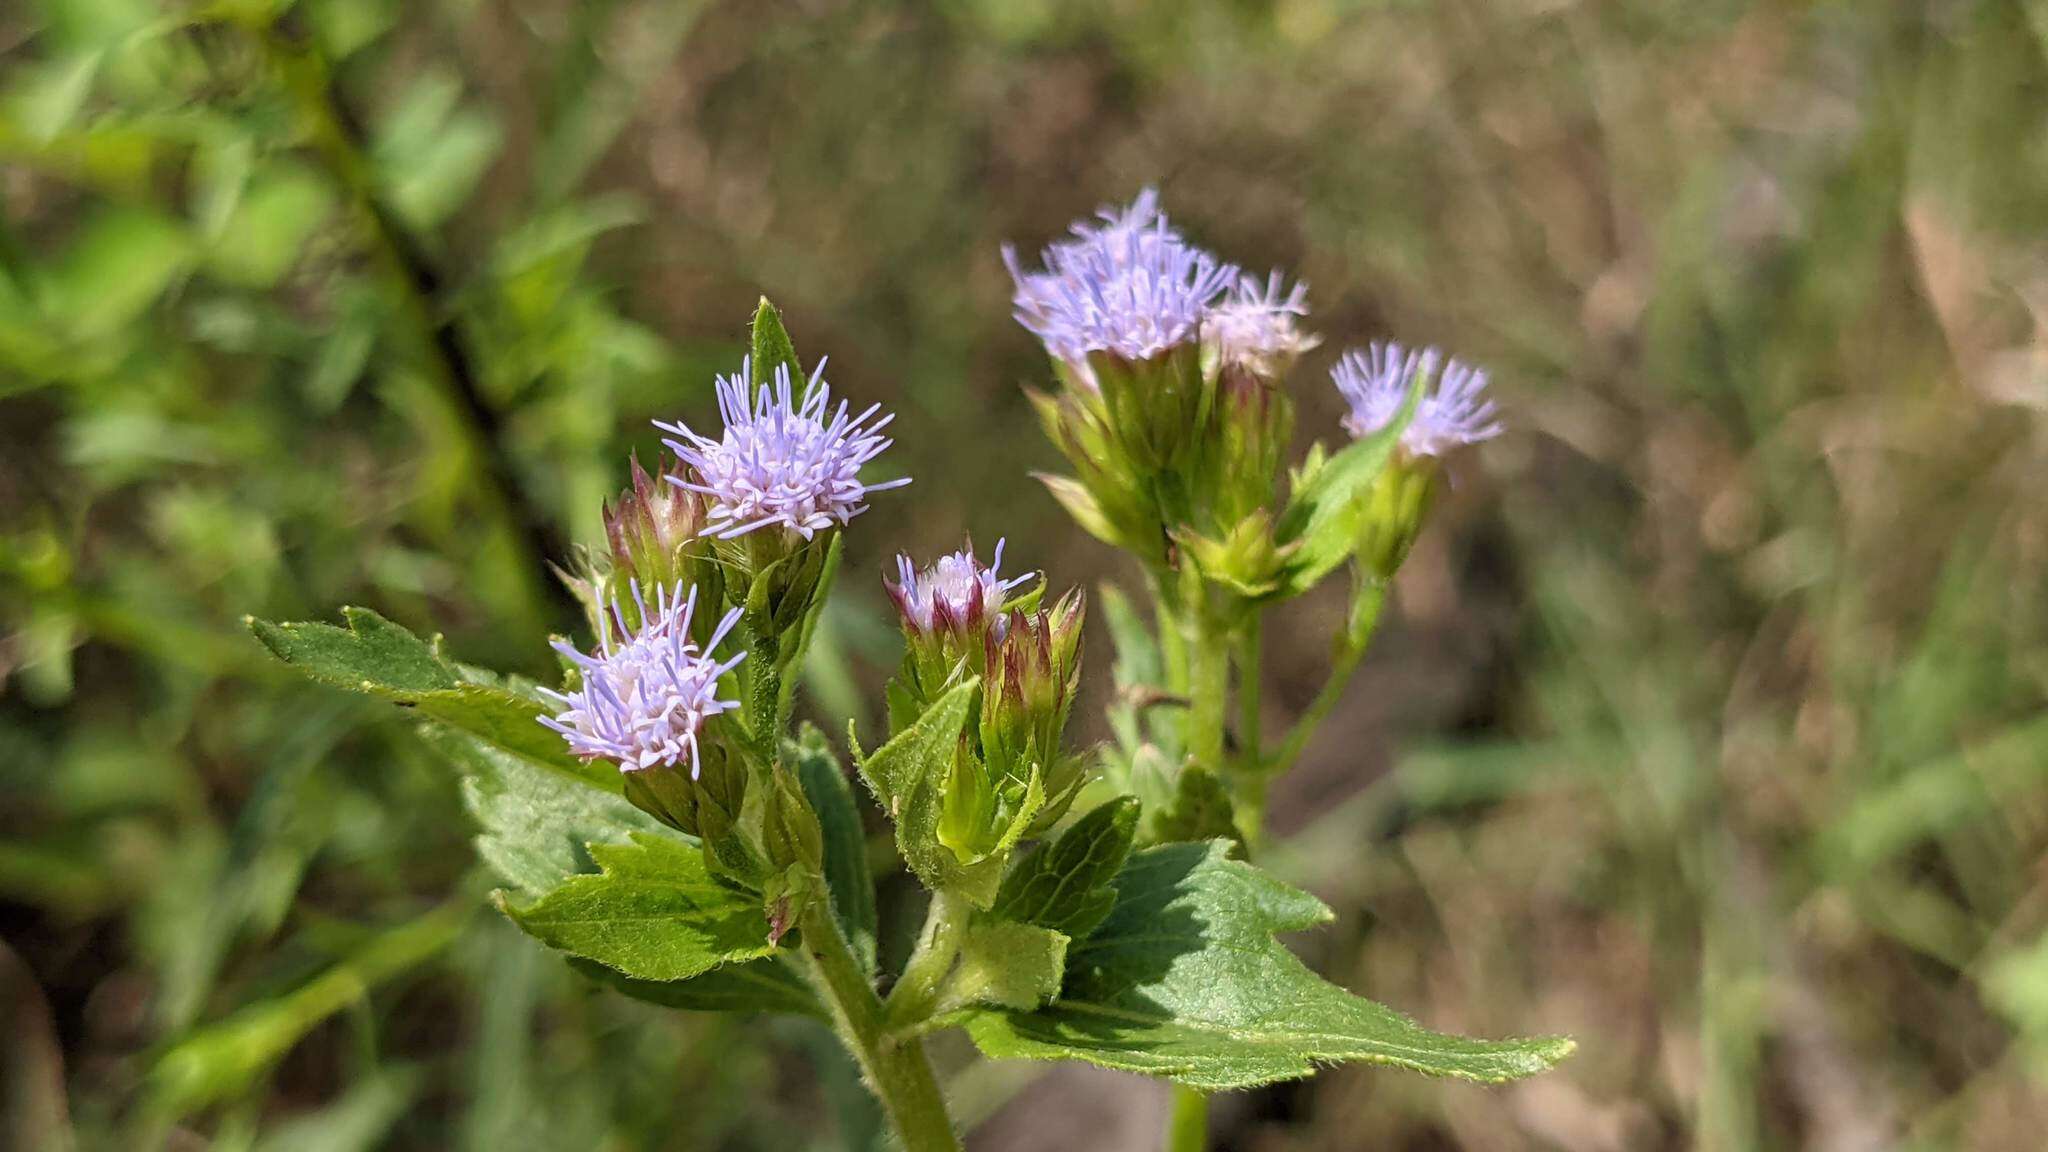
[
  {"x": 917, "y": 990},
  {"x": 1167, "y": 621},
  {"x": 897, "y": 1070},
  {"x": 1209, "y": 691},
  {"x": 341, "y": 142},
  {"x": 1365, "y": 618},
  {"x": 1250, "y": 750}
]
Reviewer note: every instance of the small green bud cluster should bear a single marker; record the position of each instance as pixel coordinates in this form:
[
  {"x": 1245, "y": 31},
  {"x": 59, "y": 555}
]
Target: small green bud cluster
[{"x": 1010, "y": 776}]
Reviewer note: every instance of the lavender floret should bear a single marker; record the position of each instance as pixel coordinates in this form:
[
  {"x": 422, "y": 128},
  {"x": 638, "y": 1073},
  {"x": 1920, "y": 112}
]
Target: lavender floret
[
  {"x": 1451, "y": 412},
  {"x": 1129, "y": 285},
  {"x": 780, "y": 459},
  {"x": 955, "y": 593},
  {"x": 645, "y": 695},
  {"x": 1256, "y": 327}
]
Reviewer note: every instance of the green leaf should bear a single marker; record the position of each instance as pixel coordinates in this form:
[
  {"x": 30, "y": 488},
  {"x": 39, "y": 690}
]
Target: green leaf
[
  {"x": 1138, "y": 662},
  {"x": 430, "y": 153},
  {"x": 375, "y": 656},
  {"x": 372, "y": 654},
  {"x": 225, "y": 1059},
  {"x": 653, "y": 913},
  {"x": 908, "y": 777},
  {"x": 535, "y": 825},
  {"x": 1185, "y": 980},
  {"x": 121, "y": 262},
  {"x": 1066, "y": 884},
  {"x": 1201, "y": 811},
  {"x": 846, "y": 849},
  {"x": 1322, "y": 515},
  {"x": 771, "y": 346},
  {"x": 764, "y": 985},
  {"x": 1005, "y": 965},
  {"x": 43, "y": 97},
  {"x": 269, "y": 225}
]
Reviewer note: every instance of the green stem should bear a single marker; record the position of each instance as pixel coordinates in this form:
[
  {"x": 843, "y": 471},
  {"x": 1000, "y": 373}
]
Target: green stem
[
  {"x": 1248, "y": 773},
  {"x": 338, "y": 139},
  {"x": 1250, "y": 754},
  {"x": 1209, "y": 693},
  {"x": 897, "y": 1070},
  {"x": 764, "y": 708},
  {"x": 1365, "y": 618},
  {"x": 945, "y": 925},
  {"x": 1173, "y": 645},
  {"x": 1188, "y": 1129}
]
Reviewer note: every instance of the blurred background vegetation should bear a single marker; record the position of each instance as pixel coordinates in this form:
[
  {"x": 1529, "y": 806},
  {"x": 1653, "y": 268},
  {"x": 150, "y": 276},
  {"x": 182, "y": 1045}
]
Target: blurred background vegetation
[{"x": 1710, "y": 729}]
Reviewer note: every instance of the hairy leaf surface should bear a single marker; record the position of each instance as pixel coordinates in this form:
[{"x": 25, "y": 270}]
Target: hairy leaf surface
[
  {"x": 764, "y": 985},
  {"x": 653, "y": 913},
  {"x": 908, "y": 777},
  {"x": 375, "y": 656},
  {"x": 1067, "y": 884},
  {"x": 1185, "y": 980},
  {"x": 846, "y": 850},
  {"x": 534, "y": 825}
]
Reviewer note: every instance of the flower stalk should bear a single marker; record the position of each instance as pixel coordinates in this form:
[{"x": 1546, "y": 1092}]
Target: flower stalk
[
  {"x": 896, "y": 1067},
  {"x": 938, "y": 945}
]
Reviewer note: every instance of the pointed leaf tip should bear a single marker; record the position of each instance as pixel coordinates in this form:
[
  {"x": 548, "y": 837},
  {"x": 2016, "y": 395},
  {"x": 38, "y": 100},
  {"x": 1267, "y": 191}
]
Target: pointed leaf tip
[{"x": 1185, "y": 980}]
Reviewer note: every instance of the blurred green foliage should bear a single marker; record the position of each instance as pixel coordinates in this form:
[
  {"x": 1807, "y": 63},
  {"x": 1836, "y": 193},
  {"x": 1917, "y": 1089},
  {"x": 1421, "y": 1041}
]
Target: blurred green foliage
[{"x": 1720, "y": 681}]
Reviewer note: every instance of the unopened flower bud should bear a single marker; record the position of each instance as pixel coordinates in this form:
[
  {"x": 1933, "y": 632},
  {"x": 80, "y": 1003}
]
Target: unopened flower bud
[
  {"x": 947, "y": 610},
  {"x": 652, "y": 530},
  {"x": 1393, "y": 513},
  {"x": 1033, "y": 672}
]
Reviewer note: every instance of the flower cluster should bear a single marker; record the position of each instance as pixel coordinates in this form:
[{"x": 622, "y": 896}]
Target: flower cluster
[
  {"x": 1257, "y": 327},
  {"x": 1013, "y": 775},
  {"x": 1452, "y": 410},
  {"x": 646, "y": 692},
  {"x": 781, "y": 459},
  {"x": 955, "y": 594},
  {"x": 1130, "y": 286}
]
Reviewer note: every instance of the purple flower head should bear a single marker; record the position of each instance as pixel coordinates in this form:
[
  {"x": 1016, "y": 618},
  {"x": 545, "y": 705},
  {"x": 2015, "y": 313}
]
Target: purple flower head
[
  {"x": 1452, "y": 410},
  {"x": 646, "y": 694},
  {"x": 781, "y": 460},
  {"x": 1256, "y": 327},
  {"x": 1129, "y": 285},
  {"x": 955, "y": 594}
]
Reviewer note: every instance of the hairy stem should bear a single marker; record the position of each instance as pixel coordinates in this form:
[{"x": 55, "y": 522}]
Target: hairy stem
[
  {"x": 1248, "y": 766},
  {"x": 1187, "y": 1130},
  {"x": 1168, "y": 622},
  {"x": 1365, "y": 618},
  {"x": 945, "y": 925},
  {"x": 1250, "y": 753},
  {"x": 897, "y": 1070},
  {"x": 1209, "y": 693}
]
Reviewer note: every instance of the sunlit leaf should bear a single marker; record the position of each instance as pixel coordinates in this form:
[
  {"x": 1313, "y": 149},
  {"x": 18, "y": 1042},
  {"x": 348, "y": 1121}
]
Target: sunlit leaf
[
  {"x": 1185, "y": 980},
  {"x": 654, "y": 912}
]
